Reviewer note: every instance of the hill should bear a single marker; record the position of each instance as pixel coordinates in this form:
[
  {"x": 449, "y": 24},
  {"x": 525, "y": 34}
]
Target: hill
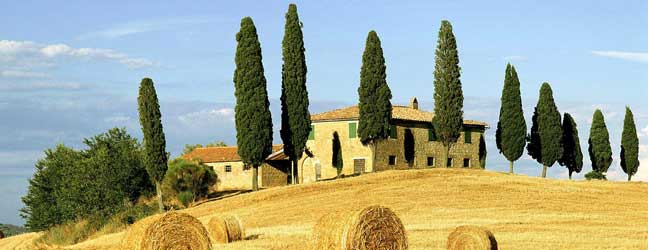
[
  {"x": 523, "y": 212},
  {"x": 10, "y": 230}
]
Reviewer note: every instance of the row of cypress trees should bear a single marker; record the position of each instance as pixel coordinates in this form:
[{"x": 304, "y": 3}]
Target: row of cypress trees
[{"x": 552, "y": 140}]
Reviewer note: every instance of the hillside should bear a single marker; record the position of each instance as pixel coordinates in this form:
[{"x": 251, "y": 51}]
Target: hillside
[{"x": 523, "y": 212}]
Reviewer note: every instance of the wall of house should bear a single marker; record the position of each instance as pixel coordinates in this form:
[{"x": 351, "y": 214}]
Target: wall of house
[
  {"x": 270, "y": 175},
  {"x": 321, "y": 148},
  {"x": 423, "y": 148}
]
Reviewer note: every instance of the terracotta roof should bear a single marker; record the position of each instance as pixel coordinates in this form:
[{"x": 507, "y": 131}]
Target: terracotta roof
[
  {"x": 220, "y": 154},
  {"x": 405, "y": 113}
]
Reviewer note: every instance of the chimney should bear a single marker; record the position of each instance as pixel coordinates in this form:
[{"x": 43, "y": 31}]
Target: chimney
[{"x": 414, "y": 103}]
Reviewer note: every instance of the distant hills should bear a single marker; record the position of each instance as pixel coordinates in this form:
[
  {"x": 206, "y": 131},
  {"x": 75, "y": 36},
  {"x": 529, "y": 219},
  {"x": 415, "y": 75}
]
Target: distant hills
[{"x": 10, "y": 230}]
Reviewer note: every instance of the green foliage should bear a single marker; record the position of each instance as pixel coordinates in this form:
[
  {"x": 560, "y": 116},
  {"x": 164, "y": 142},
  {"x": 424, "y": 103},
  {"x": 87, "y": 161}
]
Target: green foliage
[
  {"x": 10, "y": 230},
  {"x": 189, "y": 176},
  {"x": 98, "y": 181},
  {"x": 154, "y": 140},
  {"x": 546, "y": 131},
  {"x": 572, "y": 157},
  {"x": 337, "y": 160},
  {"x": 482, "y": 152},
  {"x": 186, "y": 198},
  {"x": 190, "y": 147},
  {"x": 629, "y": 145},
  {"x": 600, "y": 151},
  {"x": 374, "y": 93},
  {"x": 511, "y": 128},
  {"x": 252, "y": 118},
  {"x": 448, "y": 95},
  {"x": 295, "y": 117},
  {"x": 595, "y": 175}
]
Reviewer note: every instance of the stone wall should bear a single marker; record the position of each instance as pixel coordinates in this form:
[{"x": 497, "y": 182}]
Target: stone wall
[
  {"x": 270, "y": 175},
  {"x": 275, "y": 173}
]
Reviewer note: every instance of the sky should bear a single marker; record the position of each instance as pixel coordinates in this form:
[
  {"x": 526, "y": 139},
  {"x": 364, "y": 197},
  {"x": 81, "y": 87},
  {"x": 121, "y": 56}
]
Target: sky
[{"x": 71, "y": 69}]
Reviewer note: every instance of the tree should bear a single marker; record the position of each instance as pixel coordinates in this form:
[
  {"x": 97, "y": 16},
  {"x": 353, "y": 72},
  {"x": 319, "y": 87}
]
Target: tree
[
  {"x": 375, "y": 96},
  {"x": 295, "y": 118},
  {"x": 511, "y": 128},
  {"x": 192, "y": 177},
  {"x": 448, "y": 96},
  {"x": 408, "y": 147},
  {"x": 155, "y": 155},
  {"x": 337, "y": 160},
  {"x": 629, "y": 145},
  {"x": 253, "y": 119},
  {"x": 600, "y": 151},
  {"x": 546, "y": 131},
  {"x": 190, "y": 147},
  {"x": 572, "y": 157}
]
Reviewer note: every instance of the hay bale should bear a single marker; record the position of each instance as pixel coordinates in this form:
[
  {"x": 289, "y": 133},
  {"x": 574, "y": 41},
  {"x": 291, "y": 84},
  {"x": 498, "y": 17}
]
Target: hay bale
[
  {"x": 217, "y": 230},
  {"x": 225, "y": 229},
  {"x": 171, "y": 230},
  {"x": 371, "y": 228},
  {"x": 471, "y": 237}
]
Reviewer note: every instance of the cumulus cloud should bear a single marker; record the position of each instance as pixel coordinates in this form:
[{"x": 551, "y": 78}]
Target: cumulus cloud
[
  {"x": 643, "y": 132},
  {"x": 624, "y": 55},
  {"x": 25, "y": 52},
  {"x": 207, "y": 116}
]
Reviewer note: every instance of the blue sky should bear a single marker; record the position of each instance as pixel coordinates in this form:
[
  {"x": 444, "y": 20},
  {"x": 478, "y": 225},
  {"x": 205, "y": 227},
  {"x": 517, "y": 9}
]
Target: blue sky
[{"x": 71, "y": 69}]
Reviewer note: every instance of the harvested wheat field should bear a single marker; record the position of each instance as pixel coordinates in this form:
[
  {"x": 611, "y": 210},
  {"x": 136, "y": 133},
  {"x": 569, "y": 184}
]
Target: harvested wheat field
[{"x": 522, "y": 212}]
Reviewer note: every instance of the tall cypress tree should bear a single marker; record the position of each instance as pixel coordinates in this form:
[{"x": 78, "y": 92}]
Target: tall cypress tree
[
  {"x": 629, "y": 145},
  {"x": 546, "y": 132},
  {"x": 600, "y": 151},
  {"x": 572, "y": 157},
  {"x": 295, "y": 118},
  {"x": 375, "y": 96},
  {"x": 253, "y": 119},
  {"x": 511, "y": 128},
  {"x": 448, "y": 95},
  {"x": 154, "y": 140}
]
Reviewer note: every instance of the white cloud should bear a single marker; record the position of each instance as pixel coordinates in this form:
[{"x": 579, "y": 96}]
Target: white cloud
[
  {"x": 515, "y": 58},
  {"x": 118, "y": 119},
  {"x": 624, "y": 55},
  {"x": 643, "y": 132},
  {"x": 27, "y": 51},
  {"x": 35, "y": 86},
  {"x": 138, "y": 27},
  {"x": 207, "y": 116},
  {"x": 22, "y": 74}
]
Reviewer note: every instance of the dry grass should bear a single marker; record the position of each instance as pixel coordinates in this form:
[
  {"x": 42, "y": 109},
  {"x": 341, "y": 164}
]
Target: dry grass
[{"x": 523, "y": 212}]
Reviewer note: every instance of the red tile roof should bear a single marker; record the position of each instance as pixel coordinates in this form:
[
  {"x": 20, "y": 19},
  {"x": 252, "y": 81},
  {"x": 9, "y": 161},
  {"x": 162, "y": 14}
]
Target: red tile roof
[
  {"x": 398, "y": 113},
  {"x": 220, "y": 154}
]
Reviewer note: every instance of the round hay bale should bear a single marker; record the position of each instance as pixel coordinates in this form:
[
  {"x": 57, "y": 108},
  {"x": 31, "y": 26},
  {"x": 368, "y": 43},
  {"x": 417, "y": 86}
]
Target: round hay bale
[
  {"x": 235, "y": 229},
  {"x": 371, "y": 228},
  {"x": 471, "y": 237},
  {"x": 217, "y": 229},
  {"x": 169, "y": 231}
]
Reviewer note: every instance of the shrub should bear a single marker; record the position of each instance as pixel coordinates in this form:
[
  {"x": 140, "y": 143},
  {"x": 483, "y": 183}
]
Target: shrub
[
  {"x": 186, "y": 198},
  {"x": 189, "y": 176},
  {"x": 594, "y": 175}
]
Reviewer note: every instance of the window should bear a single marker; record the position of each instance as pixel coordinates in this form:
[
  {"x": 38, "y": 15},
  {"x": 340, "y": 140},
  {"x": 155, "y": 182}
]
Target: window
[
  {"x": 466, "y": 163},
  {"x": 430, "y": 161},
  {"x": 228, "y": 168},
  {"x": 353, "y": 130},
  {"x": 311, "y": 135},
  {"x": 393, "y": 132},
  {"x": 449, "y": 163},
  {"x": 392, "y": 160},
  {"x": 431, "y": 134},
  {"x": 467, "y": 136}
]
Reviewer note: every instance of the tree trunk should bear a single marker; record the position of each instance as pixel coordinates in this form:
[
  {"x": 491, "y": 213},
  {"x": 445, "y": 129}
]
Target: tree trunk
[
  {"x": 373, "y": 156},
  {"x": 292, "y": 172},
  {"x": 570, "y": 175},
  {"x": 629, "y": 177},
  {"x": 255, "y": 177},
  {"x": 510, "y": 167},
  {"x": 544, "y": 171},
  {"x": 447, "y": 155},
  {"x": 158, "y": 190},
  {"x": 295, "y": 180}
]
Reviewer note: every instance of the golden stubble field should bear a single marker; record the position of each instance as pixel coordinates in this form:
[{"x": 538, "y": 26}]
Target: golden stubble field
[{"x": 523, "y": 212}]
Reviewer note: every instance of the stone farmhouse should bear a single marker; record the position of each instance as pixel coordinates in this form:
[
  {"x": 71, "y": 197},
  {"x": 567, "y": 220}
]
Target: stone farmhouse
[{"x": 412, "y": 144}]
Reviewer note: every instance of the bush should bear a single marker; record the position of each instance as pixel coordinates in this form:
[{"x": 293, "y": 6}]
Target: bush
[
  {"x": 192, "y": 177},
  {"x": 594, "y": 175}
]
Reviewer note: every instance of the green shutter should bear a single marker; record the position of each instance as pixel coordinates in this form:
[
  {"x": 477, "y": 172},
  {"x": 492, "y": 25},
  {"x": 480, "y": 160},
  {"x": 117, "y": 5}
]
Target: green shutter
[
  {"x": 311, "y": 135},
  {"x": 467, "y": 136},
  {"x": 353, "y": 129},
  {"x": 393, "y": 132},
  {"x": 431, "y": 134}
]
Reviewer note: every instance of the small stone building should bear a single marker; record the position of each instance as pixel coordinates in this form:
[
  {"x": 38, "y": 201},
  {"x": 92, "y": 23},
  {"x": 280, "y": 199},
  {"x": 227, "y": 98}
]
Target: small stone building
[
  {"x": 412, "y": 144},
  {"x": 232, "y": 173}
]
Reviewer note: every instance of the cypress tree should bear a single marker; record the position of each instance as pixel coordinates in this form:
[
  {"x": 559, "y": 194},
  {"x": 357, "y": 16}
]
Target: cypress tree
[
  {"x": 253, "y": 119},
  {"x": 154, "y": 140},
  {"x": 295, "y": 118},
  {"x": 600, "y": 151},
  {"x": 511, "y": 128},
  {"x": 375, "y": 96},
  {"x": 337, "y": 160},
  {"x": 572, "y": 157},
  {"x": 629, "y": 145},
  {"x": 546, "y": 131},
  {"x": 448, "y": 96}
]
